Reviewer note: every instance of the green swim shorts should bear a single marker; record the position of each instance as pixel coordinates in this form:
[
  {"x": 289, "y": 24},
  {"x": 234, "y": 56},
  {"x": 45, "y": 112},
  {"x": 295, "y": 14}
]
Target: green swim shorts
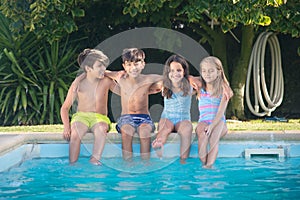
[{"x": 90, "y": 119}]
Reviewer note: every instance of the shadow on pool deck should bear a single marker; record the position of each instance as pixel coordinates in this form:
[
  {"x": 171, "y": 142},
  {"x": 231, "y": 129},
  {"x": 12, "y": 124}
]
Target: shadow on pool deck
[{"x": 11, "y": 141}]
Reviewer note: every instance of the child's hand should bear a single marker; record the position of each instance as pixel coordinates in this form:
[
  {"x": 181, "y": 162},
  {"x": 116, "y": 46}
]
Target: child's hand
[
  {"x": 67, "y": 133},
  {"x": 227, "y": 91},
  {"x": 195, "y": 83},
  {"x": 121, "y": 74},
  {"x": 156, "y": 87},
  {"x": 208, "y": 130}
]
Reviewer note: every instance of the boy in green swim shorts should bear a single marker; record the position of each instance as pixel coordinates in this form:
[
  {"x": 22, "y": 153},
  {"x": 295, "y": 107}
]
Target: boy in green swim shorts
[{"x": 91, "y": 93}]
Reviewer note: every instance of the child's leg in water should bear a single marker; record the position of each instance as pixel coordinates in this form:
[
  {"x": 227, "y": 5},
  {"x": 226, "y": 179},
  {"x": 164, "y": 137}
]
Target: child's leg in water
[
  {"x": 78, "y": 130},
  {"x": 165, "y": 127},
  {"x": 144, "y": 131},
  {"x": 184, "y": 129},
  {"x": 202, "y": 142},
  {"x": 219, "y": 131},
  {"x": 100, "y": 129}
]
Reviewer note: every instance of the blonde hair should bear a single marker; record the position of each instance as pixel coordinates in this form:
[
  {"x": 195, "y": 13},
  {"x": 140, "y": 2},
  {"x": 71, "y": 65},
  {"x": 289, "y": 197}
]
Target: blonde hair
[
  {"x": 89, "y": 56},
  {"x": 220, "y": 81}
]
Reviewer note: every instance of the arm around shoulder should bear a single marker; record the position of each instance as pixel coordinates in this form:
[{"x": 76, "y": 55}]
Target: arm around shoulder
[
  {"x": 156, "y": 87},
  {"x": 154, "y": 78},
  {"x": 227, "y": 91},
  {"x": 114, "y": 87},
  {"x": 195, "y": 82},
  {"x": 115, "y": 75}
]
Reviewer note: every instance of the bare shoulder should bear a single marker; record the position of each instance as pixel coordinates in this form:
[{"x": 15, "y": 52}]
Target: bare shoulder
[
  {"x": 75, "y": 84},
  {"x": 153, "y": 77},
  {"x": 106, "y": 82},
  {"x": 106, "y": 79}
]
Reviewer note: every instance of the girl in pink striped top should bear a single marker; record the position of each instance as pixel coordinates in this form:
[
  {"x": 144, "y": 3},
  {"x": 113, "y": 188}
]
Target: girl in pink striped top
[{"x": 213, "y": 100}]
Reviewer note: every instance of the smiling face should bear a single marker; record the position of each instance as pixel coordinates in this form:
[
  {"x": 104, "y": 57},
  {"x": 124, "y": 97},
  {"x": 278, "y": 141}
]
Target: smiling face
[
  {"x": 176, "y": 73},
  {"x": 97, "y": 70},
  {"x": 175, "y": 76},
  {"x": 134, "y": 69},
  {"x": 209, "y": 72},
  {"x": 133, "y": 61},
  {"x": 93, "y": 62}
]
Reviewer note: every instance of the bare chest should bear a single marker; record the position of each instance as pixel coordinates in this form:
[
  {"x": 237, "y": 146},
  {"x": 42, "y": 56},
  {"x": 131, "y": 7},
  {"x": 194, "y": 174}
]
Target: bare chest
[{"x": 92, "y": 92}]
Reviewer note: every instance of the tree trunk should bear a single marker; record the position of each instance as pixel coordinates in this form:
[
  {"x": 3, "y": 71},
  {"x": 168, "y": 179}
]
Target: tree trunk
[
  {"x": 219, "y": 49},
  {"x": 239, "y": 73}
]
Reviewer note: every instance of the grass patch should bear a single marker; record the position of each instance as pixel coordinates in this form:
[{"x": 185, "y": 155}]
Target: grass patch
[
  {"x": 38, "y": 128},
  {"x": 260, "y": 125},
  {"x": 253, "y": 125}
]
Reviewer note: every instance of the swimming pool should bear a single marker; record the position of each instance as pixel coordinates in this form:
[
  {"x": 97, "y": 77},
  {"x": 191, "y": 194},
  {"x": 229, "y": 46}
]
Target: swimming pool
[
  {"x": 232, "y": 178},
  {"x": 40, "y": 168}
]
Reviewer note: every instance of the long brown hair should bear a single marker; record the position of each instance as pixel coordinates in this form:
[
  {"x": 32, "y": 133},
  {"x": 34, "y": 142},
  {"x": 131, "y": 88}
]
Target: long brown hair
[{"x": 167, "y": 83}]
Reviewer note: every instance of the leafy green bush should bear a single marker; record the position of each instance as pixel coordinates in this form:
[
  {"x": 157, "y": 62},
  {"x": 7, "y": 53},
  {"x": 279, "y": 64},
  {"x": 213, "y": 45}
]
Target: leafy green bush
[
  {"x": 56, "y": 64},
  {"x": 34, "y": 77},
  {"x": 50, "y": 20}
]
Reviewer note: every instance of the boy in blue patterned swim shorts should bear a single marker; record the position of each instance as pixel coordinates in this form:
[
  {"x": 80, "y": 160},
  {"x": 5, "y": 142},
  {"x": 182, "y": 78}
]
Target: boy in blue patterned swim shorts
[
  {"x": 91, "y": 93},
  {"x": 135, "y": 89}
]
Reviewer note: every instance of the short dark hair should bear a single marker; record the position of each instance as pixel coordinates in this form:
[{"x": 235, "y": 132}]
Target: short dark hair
[{"x": 133, "y": 55}]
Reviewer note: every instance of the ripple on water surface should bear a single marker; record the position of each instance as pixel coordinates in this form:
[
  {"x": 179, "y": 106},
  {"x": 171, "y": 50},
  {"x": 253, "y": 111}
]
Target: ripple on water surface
[{"x": 235, "y": 178}]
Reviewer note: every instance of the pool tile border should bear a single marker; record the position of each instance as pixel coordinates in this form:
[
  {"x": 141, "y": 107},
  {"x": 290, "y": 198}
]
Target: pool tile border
[
  {"x": 15, "y": 148},
  {"x": 11, "y": 141}
]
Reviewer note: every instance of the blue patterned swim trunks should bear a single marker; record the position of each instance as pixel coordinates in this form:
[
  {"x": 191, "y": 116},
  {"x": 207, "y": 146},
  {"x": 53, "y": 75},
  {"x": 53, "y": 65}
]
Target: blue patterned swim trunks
[{"x": 135, "y": 120}]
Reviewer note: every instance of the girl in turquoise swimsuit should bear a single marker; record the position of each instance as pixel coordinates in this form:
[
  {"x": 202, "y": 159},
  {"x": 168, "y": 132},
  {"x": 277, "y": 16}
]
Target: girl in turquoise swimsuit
[
  {"x": 213, "y": 100},
  {"x": 176, "y": 117}
]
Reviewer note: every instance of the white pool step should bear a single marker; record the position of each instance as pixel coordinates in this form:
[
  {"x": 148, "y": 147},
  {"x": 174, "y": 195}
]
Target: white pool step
[{"x": 262, "y": 151}]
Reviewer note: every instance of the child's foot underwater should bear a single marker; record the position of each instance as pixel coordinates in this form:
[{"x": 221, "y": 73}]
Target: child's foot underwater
[
  {"x": 94, "y": 161},
  {"x": 157, "y": 145}
]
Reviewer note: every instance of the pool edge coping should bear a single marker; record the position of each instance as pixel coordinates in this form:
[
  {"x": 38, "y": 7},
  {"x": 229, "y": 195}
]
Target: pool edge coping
[{"x": 11, "y": 140}]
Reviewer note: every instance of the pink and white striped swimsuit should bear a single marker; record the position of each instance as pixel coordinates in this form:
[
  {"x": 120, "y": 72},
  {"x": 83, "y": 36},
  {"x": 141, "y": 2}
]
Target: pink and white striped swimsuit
[{"x": 208, "y": 107}]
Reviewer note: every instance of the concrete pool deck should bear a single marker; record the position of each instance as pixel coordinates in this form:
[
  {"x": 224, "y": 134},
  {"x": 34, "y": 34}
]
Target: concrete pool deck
[{"x": 10, "y": 141}]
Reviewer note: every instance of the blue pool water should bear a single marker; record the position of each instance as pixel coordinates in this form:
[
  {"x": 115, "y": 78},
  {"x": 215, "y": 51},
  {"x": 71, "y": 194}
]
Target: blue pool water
[{"x": 231, "y": 178}]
